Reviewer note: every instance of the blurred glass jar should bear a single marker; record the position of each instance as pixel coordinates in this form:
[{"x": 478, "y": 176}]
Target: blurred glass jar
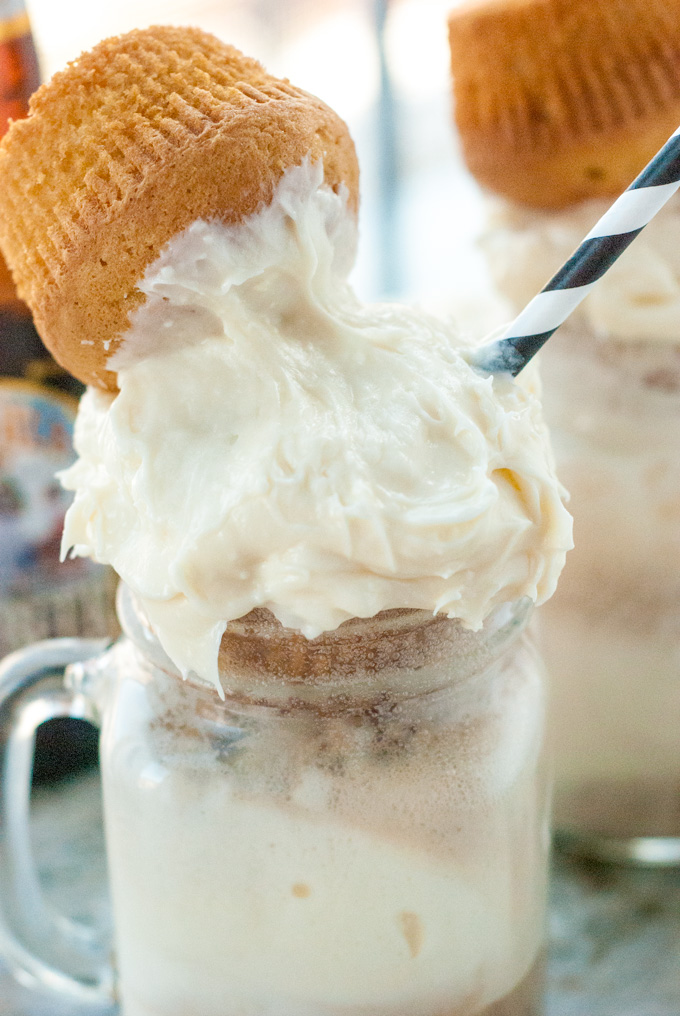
[
  {"x": 358, "y": 826},
  {"x": 611, "y": 634}
]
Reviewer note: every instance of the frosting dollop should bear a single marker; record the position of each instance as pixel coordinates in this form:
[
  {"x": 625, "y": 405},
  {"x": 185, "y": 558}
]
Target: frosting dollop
[
  {"x": 638, "y": 298},
  {"x": 276, "y": 443}
]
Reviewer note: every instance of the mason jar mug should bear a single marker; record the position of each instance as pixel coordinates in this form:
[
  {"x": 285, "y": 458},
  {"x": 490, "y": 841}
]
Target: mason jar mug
[{"x": 357, "y": 826}]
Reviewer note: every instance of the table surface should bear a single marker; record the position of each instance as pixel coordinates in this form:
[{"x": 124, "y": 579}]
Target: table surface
[{"x": 614, "y": 939}]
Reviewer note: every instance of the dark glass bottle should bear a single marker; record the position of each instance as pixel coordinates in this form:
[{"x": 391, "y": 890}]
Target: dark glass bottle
[
  {"x": 19, "y": 77},
  {"x": 22, "y": 354},
  {"x": 39, "y": 598},
  {"x": 19, "y": 73}
]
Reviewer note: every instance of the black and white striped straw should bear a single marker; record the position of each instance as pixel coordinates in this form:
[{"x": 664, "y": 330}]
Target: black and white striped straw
[{"x": 606, "y": 241}]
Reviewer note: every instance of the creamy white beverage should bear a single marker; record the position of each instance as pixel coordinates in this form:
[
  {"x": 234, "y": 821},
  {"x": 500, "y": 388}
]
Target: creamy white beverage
[
  {"x": 322, "y": 729},
  {"x": 360, "y": 860},
  {"x": 278, "y": 451}
]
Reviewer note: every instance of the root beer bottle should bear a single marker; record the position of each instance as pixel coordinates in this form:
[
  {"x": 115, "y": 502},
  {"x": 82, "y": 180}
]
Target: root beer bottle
[
  {"x": 39, "y": 597},
  {"x": 20, "y": 347},
  {"x": 22, "y": 354}
]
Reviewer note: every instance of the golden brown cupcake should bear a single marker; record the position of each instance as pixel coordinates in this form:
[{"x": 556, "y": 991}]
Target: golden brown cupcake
[
  {"x": 124, "y": 149},
  {"x": 558, "y": 101}
]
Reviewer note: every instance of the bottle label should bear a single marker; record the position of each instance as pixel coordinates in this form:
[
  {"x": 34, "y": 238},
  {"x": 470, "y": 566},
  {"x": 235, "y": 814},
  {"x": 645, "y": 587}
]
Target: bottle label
[{"x": 36, "y": 431}]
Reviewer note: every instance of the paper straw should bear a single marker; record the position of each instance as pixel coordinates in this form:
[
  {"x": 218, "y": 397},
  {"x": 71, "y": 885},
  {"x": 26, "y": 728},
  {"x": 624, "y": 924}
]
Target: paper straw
[{"x": 606, "y": 242}]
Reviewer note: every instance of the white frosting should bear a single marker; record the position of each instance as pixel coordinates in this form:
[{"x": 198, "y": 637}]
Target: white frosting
[
  {"x": 637, "y": 298},
  {"x": 275, "y": 443}
]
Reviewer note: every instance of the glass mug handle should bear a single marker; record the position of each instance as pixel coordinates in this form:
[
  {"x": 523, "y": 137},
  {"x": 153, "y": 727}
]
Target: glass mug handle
[{"x": 40, "y": 946}]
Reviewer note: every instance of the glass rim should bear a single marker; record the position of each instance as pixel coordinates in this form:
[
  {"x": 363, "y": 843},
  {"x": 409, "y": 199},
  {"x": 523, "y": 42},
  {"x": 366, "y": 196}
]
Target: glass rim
[{"x": 262, "y": 661}]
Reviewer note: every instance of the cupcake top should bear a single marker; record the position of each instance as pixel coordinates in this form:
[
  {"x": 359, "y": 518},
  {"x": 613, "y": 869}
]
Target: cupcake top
[
  {"x": 558, "y": 101},
  {"x": 123, "y": 150}
]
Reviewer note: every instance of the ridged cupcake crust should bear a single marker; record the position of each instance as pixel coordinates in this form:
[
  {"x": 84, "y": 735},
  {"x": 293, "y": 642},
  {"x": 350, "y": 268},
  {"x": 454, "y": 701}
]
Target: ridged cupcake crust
[
  {"x": 124, "y": 149},
  {"x": 557, "y": 101}
]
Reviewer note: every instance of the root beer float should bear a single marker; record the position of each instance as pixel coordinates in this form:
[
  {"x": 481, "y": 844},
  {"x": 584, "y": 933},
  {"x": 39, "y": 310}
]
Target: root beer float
[
  {"x": 328, "y": 525},
  {"x": 559, "y": 105}
]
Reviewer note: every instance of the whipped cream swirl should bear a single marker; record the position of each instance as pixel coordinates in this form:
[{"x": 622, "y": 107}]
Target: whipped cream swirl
[{"x": 276, "y": 443}]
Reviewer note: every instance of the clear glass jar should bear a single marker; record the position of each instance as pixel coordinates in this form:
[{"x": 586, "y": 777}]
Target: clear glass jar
[
  {"x": 611, "y": 633},
  {"x": 359, "y": 826}
]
